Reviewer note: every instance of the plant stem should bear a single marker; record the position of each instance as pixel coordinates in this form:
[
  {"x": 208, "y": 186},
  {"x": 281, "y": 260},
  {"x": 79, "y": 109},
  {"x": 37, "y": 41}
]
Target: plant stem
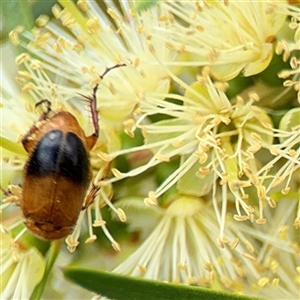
[{"x": 53, "y": 253}]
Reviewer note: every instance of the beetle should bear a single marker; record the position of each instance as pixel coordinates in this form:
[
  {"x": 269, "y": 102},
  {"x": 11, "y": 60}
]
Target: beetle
[{"x": 57, "y": 173}]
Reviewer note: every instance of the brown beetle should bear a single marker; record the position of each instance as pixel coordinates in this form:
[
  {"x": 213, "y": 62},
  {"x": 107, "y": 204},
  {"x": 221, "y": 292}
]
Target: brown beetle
[{"x": 57, "y": 173}]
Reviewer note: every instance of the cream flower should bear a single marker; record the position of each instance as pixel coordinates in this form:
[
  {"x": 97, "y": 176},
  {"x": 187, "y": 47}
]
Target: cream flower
[
  {"x": 280, "y": 176},
  {"x": 75, "y": 55},
  {"x": 218, "y": 144},
  {"x": 21, "y": 269},
  {"x": 290, "y": 49},
  {"x": 229, "y": 36},
  {"x": 224, "y": 167},
  {"x": 181, "y": 248},
  {"x": 278, "y": 254},
  {"x": 88, "y": 40}
]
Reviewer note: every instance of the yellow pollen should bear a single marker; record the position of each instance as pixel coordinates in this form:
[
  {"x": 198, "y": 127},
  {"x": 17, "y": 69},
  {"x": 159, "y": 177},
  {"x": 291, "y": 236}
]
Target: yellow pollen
[
  {"x": 121, "y": 215},
  {"x": 182, "y": 266},
  {"x": 204, "y": 170},
  {"x": 36, "y": 64},
  {"x": 162, "y": 157},
  {"x": 93, "y": 25},
  {"x": 83, "y": 5},
  {"x": 284, "y": 74},
  {"x": 129, "y": 132},
  {"x": 151, "y": 200},
  {"x": 24, "y": 57},
  {"x": 275, "y": 282},
  {"x": 25, "y": 74},
  {"x": 170, "y": 46},
  {"x": 117, "y": 173},
  {"x": 261, "y": 192},
  {"x": 78, "y": 47},
  {"x": 274, "y": 265},
  {"x": 262, "y": 282},
  {"x": 245, "y": 198},
  {"x": 286, "y": 190},
  {"x": 56, "y": 11},
  {"x": 226, "y": 281},
  {"x": 199, "y": 27},
  {"x": 68, "y": 20},
  {"x": 57, "y": 48},
  {"x": 235, "y": 243},
  {"x": 294, "y": 63},
  {"x": 14, "y": 35},
  {"x": 282, "y": 233},
  {"x": 142, "y": 269},
  {"x": 203, "y": 158},
  {"x": 177, "y": 143},
  {"x": 288, "y": 83},
  {"x": 15, "y": 257},
  {"x": 221, "y": 242},
  {"x": 28, "y": 87},
  {"x": 249, "y": 247},
  {"x": 274, "y": 151},
  {"x": 99, "y": 223},
  {"x": 71, "y": 242},
  {"x": 140, "y": 29},
  {"x": 91, "y": 239},
  {"x": 271, "y": 202},
  {"x": 42, "y": 20},
  {"x": 114, "y": 15},
  {"x": 136, "y": 62},
  {"x": 292, "y": 152},
  {"x": 208, "y": 266},
  {"x": 278, "y": 180},
  {"x": 261, "y": 221},
  {"x": 129, "y": 123},
  {"x": 240, "y": 218},
  {"x": 20, "y": 80},
  {"x": 249, "y": 256},
  {"x": 223, "y": 110},
  {"x": 297, "y": 223},
  {"x": 116, "y": 246},
  {"x": 111, "y": 88}
]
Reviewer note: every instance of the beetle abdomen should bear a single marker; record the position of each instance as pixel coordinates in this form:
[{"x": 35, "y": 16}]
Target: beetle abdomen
[
  {"x": 57, "y": 175},
  {"x": 60, "y": 154}
]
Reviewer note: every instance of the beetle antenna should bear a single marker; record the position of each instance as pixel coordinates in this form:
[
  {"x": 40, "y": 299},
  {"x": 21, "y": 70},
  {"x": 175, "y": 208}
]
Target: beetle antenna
[
  {"x": 111, "y": 68},
  {"x": 93, "y": 98}
]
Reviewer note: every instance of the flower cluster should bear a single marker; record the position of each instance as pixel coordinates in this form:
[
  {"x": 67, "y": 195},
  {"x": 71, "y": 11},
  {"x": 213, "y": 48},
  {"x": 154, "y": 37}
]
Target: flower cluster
[
  {"x": 16, "y": 260},
  {"x": 199, "y": 133}
]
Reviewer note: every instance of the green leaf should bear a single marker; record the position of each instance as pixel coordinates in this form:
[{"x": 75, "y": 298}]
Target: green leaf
[
  {"x": 128, "y": 288},
  {"x": 270, "y": 74},
  {"x": 12, "y": 146},
  {"x": 52, "y": 256},
  {"x": 42, "y": 7},
  {"x": 144, "y": 4},
  {"x": 14, "y": 13}
]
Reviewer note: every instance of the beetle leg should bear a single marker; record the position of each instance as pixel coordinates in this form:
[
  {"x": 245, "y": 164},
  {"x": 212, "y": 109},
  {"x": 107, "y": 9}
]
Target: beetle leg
[
  {"x": 91, "y": 140},
  {"x": 48, "y": 106},
  {"x": 26, "y": 141},
  {"x": 93, "y": 102},
  {"x": 91, "y": 196}
]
